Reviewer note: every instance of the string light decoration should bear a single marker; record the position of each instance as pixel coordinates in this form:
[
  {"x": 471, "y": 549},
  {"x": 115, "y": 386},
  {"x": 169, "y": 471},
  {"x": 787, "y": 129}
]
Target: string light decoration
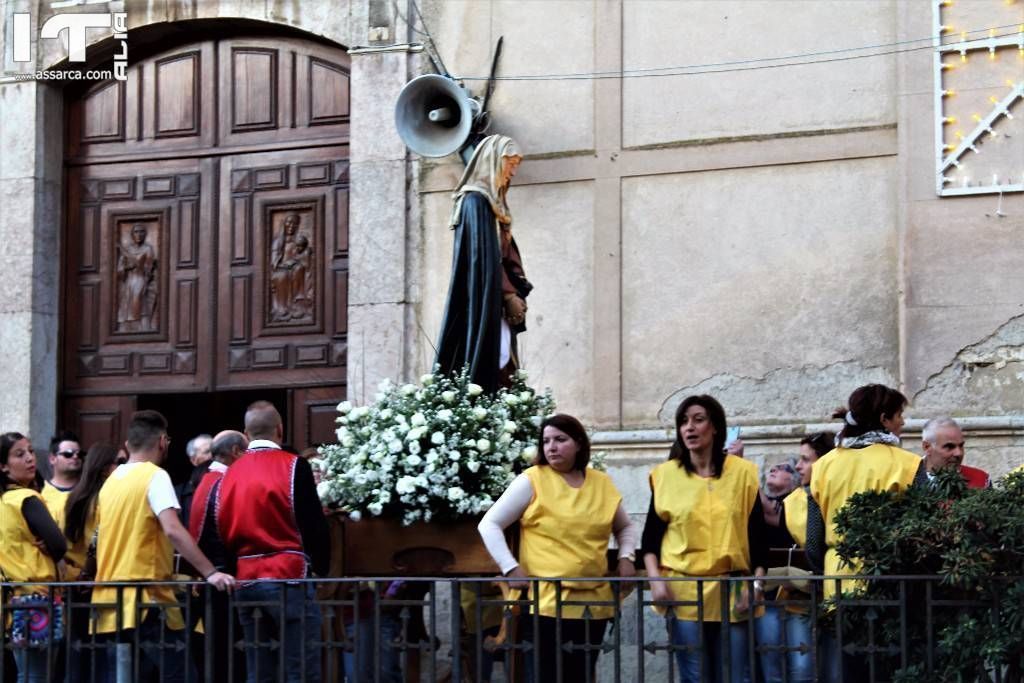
[{"x": 990, "y": 140}]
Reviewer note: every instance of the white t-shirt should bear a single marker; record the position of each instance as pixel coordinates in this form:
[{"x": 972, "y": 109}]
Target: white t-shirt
[{"x": 160, "y": 494}]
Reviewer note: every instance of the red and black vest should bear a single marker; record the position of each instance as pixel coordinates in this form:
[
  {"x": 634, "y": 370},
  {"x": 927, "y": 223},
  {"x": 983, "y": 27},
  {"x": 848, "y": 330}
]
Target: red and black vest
[
  {"x": 202, "y": 520},
  {"x": 256, "y": 516},
  {"x": 975, "y": 478}
]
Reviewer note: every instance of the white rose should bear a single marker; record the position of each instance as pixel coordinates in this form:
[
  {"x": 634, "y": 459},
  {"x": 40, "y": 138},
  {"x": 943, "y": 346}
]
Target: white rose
[
  {"x": 474, "y": 389},
  {"x": 323, "y": 489},
  {"x": 455, "y": 493},
  {"x": 448, "y": 396},
  {"x": 504, "y": 439},
  {"x": 530, "y": 452},
  {"x": 479, "y": 413},
  {"x": 417, "y": 420},
  {"x": 395, "y": 446},
  {"x": 375, "y": 509},
  {"x": 510, "y": 426},
  {"x": 355, "y": 515},
  {"x": 525, "y": 396},
  {"x": 444, "y": 414},
  {"x": 414, "y": 448},
  {"x": 437, "y": 438},
  {"x": 405, "y": 485},
  {"x": 414, "y": 460},
  {"x": 454, "y": 455},
  {"x": 386, "y": 414},
  {"x": 511, "y": 399},
  {"x": 415, "y": 433},
  {"x": 344, "y": 407},
  {"x": 483, "y": 445},
  {"x": 408, "y": 389},
  {"x": 473, "y": 466},
  {"x": 426, "y": 380}
]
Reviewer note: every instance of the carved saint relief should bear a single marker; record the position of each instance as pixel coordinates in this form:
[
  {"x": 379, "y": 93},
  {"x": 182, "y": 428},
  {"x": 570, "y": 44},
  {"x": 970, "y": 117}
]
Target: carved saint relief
[
  {"x": 137, "y": 291},
  {"x": 291, "y": 273}
]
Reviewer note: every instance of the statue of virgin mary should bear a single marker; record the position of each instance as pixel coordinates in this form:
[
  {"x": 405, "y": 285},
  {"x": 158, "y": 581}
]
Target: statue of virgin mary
[{"x": 486, "y": 306}]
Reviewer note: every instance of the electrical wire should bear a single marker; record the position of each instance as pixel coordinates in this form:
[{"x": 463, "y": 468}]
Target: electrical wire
[{"x": 749, "y": 64}]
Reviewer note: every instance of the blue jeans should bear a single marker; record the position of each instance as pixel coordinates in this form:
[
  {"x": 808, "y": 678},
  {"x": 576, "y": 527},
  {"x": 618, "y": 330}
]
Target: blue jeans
[
  {"x": 777, "y": 629},
  {"x": 286, "y": 622},
  {"x": 361, "y": 636},
  {"x": 691, "y": 662},
  {"x": 31, "y": 665}
]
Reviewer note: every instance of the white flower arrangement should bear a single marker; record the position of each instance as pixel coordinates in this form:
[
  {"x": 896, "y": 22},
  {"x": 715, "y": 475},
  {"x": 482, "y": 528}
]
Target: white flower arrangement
[{"x": 440, "y": 451}]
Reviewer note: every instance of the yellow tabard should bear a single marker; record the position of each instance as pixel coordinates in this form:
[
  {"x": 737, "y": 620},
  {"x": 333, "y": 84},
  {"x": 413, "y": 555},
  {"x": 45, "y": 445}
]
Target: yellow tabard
[
  {"x": 707, "y": 530},
  {"x": 20, "y": 558},
  {"x": 564, "y": 533},
  {"x": 796, "y": 515},
  {"x": 131, "y": 546},
  {"x": 843, "y": 472},
  {"x": 55, "y": 500},
  {"x": 77, "y": 551}
]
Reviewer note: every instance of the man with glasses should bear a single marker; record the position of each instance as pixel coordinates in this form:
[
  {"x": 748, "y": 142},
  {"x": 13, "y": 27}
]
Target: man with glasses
[{"x": 66, "y": 458}]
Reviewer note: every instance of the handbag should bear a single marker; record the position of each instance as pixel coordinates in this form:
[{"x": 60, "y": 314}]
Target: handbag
[{"x": 33, "y": 624}]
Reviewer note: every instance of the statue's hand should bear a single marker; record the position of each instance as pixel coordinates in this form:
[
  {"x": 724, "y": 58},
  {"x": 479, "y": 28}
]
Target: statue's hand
[{"x": 515, "y": 309}]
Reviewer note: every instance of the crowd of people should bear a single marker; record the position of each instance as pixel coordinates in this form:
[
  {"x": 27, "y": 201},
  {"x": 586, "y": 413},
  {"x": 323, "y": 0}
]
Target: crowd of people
[
  {"x": 711, "y": 518},
  {"x": 111, "y": 515},
  {"x": 250, "y": 513}
]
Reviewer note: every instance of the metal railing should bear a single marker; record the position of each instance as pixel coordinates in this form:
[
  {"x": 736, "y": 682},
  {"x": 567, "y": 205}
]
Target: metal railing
[{"x": 459, "y": 629}]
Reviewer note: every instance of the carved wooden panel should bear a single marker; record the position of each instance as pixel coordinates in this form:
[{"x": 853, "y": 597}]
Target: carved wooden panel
[
  {"x": 254, "y": 88},
  {"x": 287, "y": 268},
  {"x": 103, "y": 113},
  {"x": 178, "y": 106},
  {"x": 137, "y": 265},
  {"x": 328, "y": 92},
  {"x": 313, "y": 415},
  {"x": 98, "y": 418}
]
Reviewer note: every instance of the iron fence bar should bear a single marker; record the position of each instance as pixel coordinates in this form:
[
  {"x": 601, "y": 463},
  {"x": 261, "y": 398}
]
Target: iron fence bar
[
  {"x": 903, "y": 624},
  {"x": 456, "y": 625},
  {"x": 640, "y": 632},
  {"x": 815, "y": 640},
  {"x": 375, "y": 641},
  {"x": 839, "y": 654},
  {"x": 478, "y": 646},
  {"x": 701, "y": 640},
  {"x": 558, "y": 631},
  {"x": 616, "y": 624},
  {"x": 232, "y": 610}
]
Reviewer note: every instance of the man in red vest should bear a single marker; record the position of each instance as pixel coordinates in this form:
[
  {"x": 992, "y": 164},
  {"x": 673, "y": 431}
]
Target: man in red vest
[
  {"x": 271, "y": 521},
  {"x": 227, "y": 447},
  {"x": 943, "y": 444}
]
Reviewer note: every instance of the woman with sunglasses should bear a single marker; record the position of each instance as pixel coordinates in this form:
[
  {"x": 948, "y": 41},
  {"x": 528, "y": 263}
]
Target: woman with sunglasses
[{"x": 32, "y": 549}]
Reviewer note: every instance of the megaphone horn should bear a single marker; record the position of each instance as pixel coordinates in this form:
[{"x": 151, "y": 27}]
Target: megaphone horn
[{"x": 434, "y": 115}]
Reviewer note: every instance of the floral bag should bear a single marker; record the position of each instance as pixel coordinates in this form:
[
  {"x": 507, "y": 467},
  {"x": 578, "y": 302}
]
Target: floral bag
[{"x": 32, "y": 621}]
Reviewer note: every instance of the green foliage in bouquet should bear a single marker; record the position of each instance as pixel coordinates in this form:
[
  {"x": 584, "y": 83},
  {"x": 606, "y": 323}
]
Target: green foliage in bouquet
[
  {"x": 439, "y": 451},
  {"x": 974, "y": 541}
]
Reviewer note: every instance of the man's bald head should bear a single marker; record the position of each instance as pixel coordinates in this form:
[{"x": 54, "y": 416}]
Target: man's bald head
[
  {"x": 262, "y": 421},
  {"x": 229, "y": 445}
]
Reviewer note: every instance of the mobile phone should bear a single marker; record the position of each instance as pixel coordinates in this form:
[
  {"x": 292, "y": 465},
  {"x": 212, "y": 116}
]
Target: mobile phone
[{"x": 731, "y": 435}]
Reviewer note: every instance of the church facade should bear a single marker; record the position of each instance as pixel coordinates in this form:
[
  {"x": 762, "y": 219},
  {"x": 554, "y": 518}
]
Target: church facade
[{"x": 752, "y": 200}]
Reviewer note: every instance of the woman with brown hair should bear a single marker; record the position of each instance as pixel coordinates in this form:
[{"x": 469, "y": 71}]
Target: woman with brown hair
[
  {"x": 705, "y": 521},
  {"x": 32, "y": 548},
  {"x": 566, "y": 513}
]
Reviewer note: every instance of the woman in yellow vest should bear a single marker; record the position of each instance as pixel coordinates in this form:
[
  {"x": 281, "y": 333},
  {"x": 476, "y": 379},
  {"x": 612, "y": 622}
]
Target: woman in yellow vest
[
  {"x": 24, "y": 523},
  {"x": 705, "y": 520},
  {"x": 566, "y": 513},
  {"x": 868, "y": 458}
]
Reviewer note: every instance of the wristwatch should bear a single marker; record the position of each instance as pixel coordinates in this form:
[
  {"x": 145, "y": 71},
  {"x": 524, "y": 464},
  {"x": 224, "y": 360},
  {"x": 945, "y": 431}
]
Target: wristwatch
[
  {"x": 628, "y": 556},
  {"x": 759, "y": 585}
]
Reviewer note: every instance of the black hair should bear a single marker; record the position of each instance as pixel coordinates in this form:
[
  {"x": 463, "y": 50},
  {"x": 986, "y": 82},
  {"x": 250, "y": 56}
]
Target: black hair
[
  {"x": 867, "y": 406},
  {"x": 575, "y": 430},
  {"x": 83, "y": 496},
  {"x": 820, "y": 442},
  {"x": 145, "y": 429},
  {"x": 716, "y": 413},
  {"x": 7, "y": 441},
  {"x": 64, "y": 435}
]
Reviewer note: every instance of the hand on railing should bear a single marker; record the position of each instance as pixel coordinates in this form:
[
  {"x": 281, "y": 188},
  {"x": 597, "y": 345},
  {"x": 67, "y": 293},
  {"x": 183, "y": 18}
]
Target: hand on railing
[
  {"x": 221, "y": 581},
  {"x": 626, "y": 568},
  {"x": 660, "y": 592},
  {"x": 516, "y": 578}
]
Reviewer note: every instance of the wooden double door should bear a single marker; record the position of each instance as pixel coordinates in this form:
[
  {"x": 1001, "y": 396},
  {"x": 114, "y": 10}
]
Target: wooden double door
[{"x": 206, "y": 244}]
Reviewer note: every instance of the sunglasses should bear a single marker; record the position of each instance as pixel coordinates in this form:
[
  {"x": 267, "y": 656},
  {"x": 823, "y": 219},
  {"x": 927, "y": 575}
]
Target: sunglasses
[{"x": 71, "y": 454}]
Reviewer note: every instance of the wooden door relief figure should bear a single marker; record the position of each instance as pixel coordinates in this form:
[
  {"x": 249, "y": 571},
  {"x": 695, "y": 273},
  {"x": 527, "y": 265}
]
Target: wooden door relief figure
[
  {"x": 292, "y": 281},
  {"x": 137, "y": 283}
]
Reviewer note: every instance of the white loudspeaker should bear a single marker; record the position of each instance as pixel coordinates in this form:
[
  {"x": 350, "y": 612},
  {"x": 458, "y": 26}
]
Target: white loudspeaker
[{"x": 434, "y": 115}]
